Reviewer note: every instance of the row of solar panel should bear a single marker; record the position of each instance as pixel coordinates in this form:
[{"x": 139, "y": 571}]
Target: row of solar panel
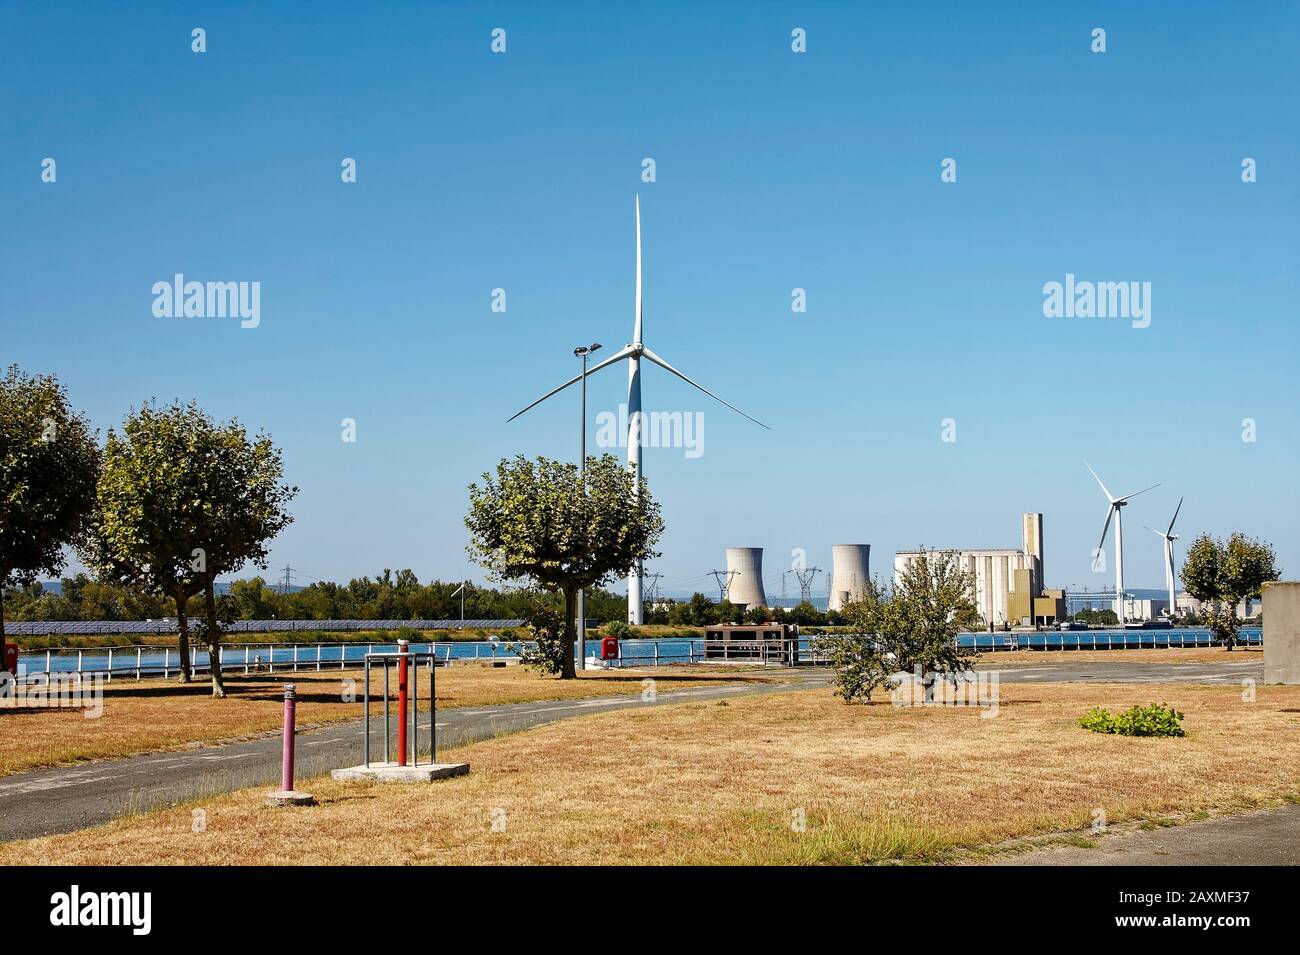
[{"x": 89, "y": 627}]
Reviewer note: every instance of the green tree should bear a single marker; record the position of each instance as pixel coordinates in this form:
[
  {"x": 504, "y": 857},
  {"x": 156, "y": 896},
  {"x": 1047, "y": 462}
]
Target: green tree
[
  {"x": 49, "y": 462},
  {"x": 534, "y": 521},
  {"x": 237, "y": 482},
  {"x": 148, "y": 523},
  {"x": 1222, "y": 575},
  {"x": 913, "y": 630}
]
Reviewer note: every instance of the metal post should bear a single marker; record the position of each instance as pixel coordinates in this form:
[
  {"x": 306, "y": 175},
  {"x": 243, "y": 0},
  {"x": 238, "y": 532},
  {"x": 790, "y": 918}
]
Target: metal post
[
  {"x": 47, "y": 666},
  {"x": 386, "y": 759},
  {"x": 295, "y": 658},
  {"x": 270, "y": 658},
  {"x": 582, "y": 474},
  {"x": 366, "y": 667},
  {"x": 318, "y": 656},
  {"x": 78, "y": 661},
  {"x": 110, "y": 664},
  {"x": 167, "y": 652},
  {"x": 137, "y": 663},
  {"x": 402, "y": 651},
  {"x": 415, "y": 712},
  {"x": 245, "y": 659},
  {"x": 286, "y": 754}
]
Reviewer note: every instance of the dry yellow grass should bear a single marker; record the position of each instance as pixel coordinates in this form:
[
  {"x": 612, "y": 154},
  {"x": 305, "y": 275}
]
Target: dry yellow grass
[
  {"x": 991, "y": 661},
  {"x": 722, "y": 782},
  {"x": 154, "y": 715}
]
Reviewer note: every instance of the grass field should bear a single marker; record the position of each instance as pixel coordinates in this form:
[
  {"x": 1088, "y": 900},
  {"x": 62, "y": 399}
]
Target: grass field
[
  {"x": 991, "y": 661},
  {"x": 150, "y": 715},
  {"x": 729, "y": 781}
]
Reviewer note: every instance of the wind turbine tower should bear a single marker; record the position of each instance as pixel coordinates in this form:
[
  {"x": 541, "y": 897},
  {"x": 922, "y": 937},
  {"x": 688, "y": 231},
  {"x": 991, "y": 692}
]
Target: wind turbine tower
[
  {"x": 633, "y": 353},
  {"x": 1168, "y": 536},
  {"x": 1114, "y": 508}
]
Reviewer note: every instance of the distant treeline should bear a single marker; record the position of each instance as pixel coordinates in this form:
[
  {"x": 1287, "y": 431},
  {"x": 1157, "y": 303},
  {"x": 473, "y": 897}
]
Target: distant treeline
[{"x": 390, "y": 596}]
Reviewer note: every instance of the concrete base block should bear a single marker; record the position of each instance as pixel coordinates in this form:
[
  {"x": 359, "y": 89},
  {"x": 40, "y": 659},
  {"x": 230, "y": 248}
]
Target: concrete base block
[
  {"x": 290, "y": 797},
  {"x": 392, "y": 773},
  {"x": 1282, "y": 632}
]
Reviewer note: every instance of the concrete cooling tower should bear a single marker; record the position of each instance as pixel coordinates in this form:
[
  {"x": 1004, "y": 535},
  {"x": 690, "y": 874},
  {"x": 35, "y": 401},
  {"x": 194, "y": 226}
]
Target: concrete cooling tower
[
  {"x": 850, "y": 574},
  {"x": 747, "y": 579}
]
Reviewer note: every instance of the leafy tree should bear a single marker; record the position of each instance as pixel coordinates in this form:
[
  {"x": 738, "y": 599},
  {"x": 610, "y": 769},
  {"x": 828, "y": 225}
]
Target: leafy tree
[
  {"x": 1222, "y": 575},
  {"x": 534, "y": 521},
  {"x": 237, "y": 482},
  {"x": 147, "y": 530},
  {"x": 545, "y": 622},
  {"x": 702, "y": 612},
  {"x": 912, "y": 630},
  {"x": 49, "y": 461},
  {"x": 727, "y": 612},
  {"x": 757, "y": 615}
]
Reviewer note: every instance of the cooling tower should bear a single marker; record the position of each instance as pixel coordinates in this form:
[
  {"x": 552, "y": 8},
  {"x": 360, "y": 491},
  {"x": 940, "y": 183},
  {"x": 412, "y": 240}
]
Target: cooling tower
[
  {"x": 850, "y": 564},
  {"x": 747, "y": 581}
]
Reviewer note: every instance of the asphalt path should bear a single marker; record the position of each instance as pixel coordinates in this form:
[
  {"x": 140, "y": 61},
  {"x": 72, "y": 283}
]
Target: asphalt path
[
  {"x": 63, "y": 799},
  {"x": 1261, "y": 837}
]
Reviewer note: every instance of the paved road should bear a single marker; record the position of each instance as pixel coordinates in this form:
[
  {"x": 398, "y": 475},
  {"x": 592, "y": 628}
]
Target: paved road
[
  {"x": 1264, "y": 837},
  {"x": 68, "y": 798}
]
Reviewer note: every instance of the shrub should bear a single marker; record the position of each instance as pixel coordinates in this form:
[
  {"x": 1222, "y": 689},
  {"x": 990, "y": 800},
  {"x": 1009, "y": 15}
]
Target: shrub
[
  {"x": 1155, "y": 719},
  {"x": 619, "y": 630}
]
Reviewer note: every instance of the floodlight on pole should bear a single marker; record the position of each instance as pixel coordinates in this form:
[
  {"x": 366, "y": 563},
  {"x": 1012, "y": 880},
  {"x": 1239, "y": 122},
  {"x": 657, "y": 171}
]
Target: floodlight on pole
[{"x": 584, "y": 352}]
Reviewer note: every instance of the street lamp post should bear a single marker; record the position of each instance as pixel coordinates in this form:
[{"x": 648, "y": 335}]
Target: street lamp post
[{"x": 583, "y": 352}]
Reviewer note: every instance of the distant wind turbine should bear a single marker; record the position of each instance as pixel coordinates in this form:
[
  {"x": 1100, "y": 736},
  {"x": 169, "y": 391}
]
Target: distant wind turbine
[
  {"x": 634, "y": 352},
  {"x": 1114, "y": 510},
  {"x": 1169, "y": 537}
]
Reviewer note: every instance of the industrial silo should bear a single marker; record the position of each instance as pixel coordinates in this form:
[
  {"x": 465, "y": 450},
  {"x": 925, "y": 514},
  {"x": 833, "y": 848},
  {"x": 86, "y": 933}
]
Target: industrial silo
[
  {"x": 850, "y": 573},
  {"x": 745, "y": 568}
]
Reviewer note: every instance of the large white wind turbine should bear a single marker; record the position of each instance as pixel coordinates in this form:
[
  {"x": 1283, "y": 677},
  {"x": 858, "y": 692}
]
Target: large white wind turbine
[
  {"x": 634, "y": 352},
  {"x": 1169, "y": 537},
  {"x": 1113, "y": 510}
]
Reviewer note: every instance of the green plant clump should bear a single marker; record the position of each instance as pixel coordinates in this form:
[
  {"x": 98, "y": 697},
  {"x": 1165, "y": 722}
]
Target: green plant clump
[{"x": 1155, "y": 719}]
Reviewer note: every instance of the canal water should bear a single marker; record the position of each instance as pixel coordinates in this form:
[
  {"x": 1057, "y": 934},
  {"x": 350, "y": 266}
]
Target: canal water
[{"x": 645, "y": 652}]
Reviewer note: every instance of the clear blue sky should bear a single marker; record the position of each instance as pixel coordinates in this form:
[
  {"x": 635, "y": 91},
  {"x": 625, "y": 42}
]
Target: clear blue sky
[{"x": 774, "y": 171}]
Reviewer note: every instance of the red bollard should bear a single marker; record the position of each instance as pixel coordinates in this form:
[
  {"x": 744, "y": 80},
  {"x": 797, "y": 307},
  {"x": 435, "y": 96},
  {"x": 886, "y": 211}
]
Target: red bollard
[
  {"x": 402, "y": 650},
  {"x": 286, "y": 758}
]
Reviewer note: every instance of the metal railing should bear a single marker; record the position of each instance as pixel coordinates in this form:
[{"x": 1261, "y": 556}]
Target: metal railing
[{"x": 410, "y": 659}]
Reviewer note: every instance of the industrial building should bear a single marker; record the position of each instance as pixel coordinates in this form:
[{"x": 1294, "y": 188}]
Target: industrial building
[
  {"x": 1008, "y": 583},
  {"x": 745, "y": 576},
  {"x": 850, "y": 573}
]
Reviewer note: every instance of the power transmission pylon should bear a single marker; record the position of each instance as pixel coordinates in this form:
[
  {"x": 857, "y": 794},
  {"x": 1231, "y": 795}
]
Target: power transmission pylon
[
  {"x": 723, "y": 588},
  {"x": 650, "y": 588},
  {"x": 286, "y": 584},
  {"x": 806, "y": 582}
]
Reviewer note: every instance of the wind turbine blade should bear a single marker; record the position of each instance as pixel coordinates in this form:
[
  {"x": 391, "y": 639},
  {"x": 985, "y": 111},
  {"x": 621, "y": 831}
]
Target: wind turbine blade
[
  {"x": 669, "y": 368},
  {"x": 1110, "y": 512},
  {"x": 1154, "y": 531},
  {"x": 1175, "y": 517},
  {"x": 616, "y": 357},
  {"x": 1103, "y": 487},
  {"x": 1136, "y": 493},
  {"x": 636, "y": 327}
]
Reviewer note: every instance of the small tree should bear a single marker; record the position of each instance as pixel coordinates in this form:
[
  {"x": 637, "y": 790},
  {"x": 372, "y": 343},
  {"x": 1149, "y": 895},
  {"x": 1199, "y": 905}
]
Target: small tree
[
  {"x": 1222, "y": 575},
  {"x": 534, "y": 521},
  {"x": 912, "y": 630},
  {"x": 149, "y": 507},
  {"x": 49, "y": 460},
  {"x": 236, "y": 481}
]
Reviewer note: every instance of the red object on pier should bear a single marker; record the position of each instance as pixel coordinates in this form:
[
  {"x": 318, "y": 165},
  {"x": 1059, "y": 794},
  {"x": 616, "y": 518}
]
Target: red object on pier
[
  {"x": 401, "y": 702},
  {"x": 10, "y": 658},
  {"x": 609, "y": 648}
]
